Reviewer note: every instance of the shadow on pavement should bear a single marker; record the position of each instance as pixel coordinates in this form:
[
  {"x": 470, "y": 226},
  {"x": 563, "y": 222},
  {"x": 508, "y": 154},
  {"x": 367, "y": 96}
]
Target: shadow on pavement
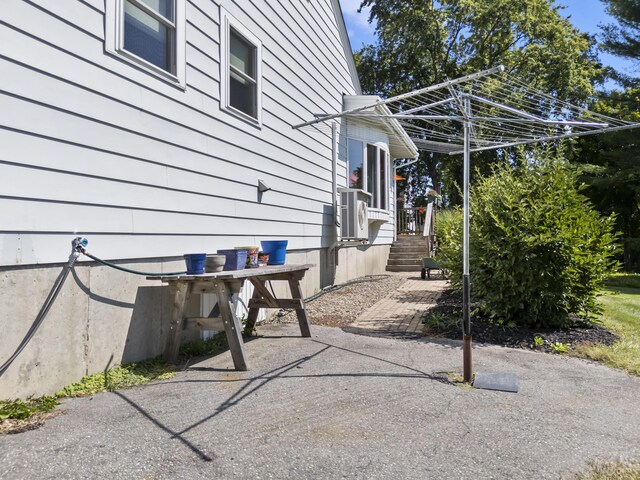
[
  {"x": 253, "y": 384},
  {"x": 234, "y": 399}
]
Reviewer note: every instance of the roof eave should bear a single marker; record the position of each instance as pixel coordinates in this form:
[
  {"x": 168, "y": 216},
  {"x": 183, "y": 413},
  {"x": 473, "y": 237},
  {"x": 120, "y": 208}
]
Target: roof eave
[{"x": 346, "y": 43}]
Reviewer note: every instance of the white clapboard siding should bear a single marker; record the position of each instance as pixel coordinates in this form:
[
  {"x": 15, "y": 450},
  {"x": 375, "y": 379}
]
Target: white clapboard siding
[
  {"x": 296, "y": 19},
  {"x": 286, "y": 50},
  {"x": 71, "y": 68},
  {"x": 78, "y": 14},
  {"x": 29, "y": 248},
  {"x": 97, "y": 5},
  {"x": 98, "y": 218},
  {"x": 210, "y": 9},
  {"x": 191, "y": 131},
  {"x": 81, "y": 189},
  {"x": 220, "y": 176},
  {"x": 96, "y": 146},
  {"x": 54, "y": 123}
]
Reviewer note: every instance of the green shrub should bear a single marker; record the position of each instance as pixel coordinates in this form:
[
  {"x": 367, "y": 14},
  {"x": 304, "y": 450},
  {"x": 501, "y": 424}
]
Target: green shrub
[
  {"x": 538, "y": 251},
  {"x": 448, "y": 230}
]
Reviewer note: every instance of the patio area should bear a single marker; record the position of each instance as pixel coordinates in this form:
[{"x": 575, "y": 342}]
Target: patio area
[{"x": 342, "y": 404}]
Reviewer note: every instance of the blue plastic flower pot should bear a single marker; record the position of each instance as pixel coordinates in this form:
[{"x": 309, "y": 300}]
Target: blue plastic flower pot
[
  {"x": 195, "y": 263},
  {"x": 277, "y": 250},
  {"x": 236, "y": 259}
]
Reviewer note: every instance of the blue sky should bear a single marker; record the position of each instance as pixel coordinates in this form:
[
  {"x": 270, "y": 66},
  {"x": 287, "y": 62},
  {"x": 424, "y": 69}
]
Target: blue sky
[{"x": 585, "y": 14}]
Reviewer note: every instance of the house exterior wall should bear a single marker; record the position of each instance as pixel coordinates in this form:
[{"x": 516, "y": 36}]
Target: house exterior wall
[{"x": 95, "y": 146}]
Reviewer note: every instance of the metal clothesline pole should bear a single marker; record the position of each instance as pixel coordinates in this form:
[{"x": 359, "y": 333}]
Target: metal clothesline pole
[
  {"x": 466, "y": 301},
  {"x": 515, "y": 114}
]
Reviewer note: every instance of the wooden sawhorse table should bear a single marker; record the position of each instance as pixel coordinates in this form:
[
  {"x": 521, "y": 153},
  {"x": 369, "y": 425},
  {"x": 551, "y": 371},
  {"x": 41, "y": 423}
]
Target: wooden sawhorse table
[{"x": 223, "y": 315}]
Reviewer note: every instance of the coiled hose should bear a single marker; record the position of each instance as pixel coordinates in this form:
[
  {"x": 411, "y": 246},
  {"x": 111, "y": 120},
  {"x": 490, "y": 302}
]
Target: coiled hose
[
  {"x": 55, "y": 290},
  {"x": 78, "y": 246}
]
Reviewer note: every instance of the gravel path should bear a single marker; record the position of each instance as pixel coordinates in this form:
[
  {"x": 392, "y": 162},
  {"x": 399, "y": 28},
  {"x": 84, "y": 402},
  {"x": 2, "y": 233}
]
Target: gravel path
[{"x": 340, "y": 306}]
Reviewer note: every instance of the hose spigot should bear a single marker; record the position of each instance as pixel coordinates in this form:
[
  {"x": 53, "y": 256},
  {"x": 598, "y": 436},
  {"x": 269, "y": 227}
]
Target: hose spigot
[{"x": 79, "y": 245}]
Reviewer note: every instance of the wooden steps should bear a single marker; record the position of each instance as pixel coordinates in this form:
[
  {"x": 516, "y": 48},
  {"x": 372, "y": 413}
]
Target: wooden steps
[{"x": 406, "y": 254}]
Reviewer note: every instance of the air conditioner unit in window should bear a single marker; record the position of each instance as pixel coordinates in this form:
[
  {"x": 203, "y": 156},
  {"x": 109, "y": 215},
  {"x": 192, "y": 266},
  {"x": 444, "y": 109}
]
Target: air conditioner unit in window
[{"x": 354, "y": 224}]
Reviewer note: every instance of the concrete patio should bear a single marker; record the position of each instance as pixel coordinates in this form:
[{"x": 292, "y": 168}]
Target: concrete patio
[{"x": 341, "y": 405}]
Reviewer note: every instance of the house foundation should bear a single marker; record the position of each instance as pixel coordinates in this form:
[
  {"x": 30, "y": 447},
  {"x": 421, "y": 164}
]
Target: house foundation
[{"x": 103, "y": 317}]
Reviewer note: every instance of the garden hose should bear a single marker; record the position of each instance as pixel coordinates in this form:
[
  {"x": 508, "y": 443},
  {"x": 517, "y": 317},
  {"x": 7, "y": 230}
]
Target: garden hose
[
  {"x": 128, "y": 270},
  {"x": 78, "y": 247},
  {"x": 80, "y": 244},
  {"x": 57, "y": 286}
]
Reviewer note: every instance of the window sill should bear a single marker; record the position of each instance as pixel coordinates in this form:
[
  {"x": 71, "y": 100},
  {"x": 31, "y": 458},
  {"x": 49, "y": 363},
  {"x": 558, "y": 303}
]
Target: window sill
[
  {"x": 142, "y": 64},
  {"x": 378, "y": 215},
  {"x": 254, "y": 122}
]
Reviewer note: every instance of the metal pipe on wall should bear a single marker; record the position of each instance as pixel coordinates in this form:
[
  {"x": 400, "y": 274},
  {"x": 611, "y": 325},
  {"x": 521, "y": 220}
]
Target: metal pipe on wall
[{"x": 333, "y": 250}]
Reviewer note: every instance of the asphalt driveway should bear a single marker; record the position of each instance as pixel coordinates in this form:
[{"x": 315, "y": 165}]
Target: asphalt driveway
[{"x": 342, "y": 405}]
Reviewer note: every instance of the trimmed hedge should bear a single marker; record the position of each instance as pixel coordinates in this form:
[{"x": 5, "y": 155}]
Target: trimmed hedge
[{"x": 538, "y": 250}]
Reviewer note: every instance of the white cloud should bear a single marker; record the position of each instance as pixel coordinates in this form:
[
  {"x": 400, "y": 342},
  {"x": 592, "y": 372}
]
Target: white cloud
[
  {"x": 350, "y": 10},
  {"x": 360, "y": 30}
]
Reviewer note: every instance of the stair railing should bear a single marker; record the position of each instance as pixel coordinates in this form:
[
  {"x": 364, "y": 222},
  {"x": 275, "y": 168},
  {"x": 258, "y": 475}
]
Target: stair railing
[{"x": 411, "y": 221}]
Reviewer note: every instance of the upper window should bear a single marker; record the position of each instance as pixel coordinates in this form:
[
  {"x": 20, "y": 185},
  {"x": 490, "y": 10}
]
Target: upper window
[
  {"x": 149, "y": 33},
  {"x": 241, "y": 69},
  {"x": 368, "y": 169}
]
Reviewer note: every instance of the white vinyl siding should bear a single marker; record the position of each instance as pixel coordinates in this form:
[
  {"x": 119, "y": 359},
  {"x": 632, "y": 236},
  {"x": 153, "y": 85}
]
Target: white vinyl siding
[{"x": 97, "y": 147}]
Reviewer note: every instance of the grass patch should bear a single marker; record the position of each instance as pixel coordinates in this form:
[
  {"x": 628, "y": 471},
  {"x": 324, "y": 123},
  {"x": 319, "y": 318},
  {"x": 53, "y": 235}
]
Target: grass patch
[
  {"x": 127, "y": 376},
  {"x": 22, "y": 409},
  {"x": 624, "y": 280},
  {"x": 18, "y": 416},
  {"x": 621, "y": 314},
  {"x": 117, "y": 378},
  {"x": 21, "y": 415},
  {"x": 457, "y": 378},
  {"x": 610, "y": 471},
  {"x": 200, "y": 348},
  {"x": 436, "y": 322}
]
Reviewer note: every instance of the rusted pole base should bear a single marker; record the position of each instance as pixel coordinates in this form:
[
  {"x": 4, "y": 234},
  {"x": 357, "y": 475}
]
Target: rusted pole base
[{"x": 466, "y": 358}]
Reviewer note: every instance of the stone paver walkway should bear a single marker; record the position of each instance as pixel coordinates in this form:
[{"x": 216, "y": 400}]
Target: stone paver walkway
[{"x": 402, "y": 311}]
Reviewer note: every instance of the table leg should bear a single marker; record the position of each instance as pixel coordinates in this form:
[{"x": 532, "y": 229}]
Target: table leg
[
  {"x": 303, "y": 321},
  {"x": 253, "y": 313},
  {"x": 181, "y": 293},
  {"x": 232, "y": 327}
]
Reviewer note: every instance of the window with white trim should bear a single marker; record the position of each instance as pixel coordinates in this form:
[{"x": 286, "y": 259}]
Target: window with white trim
[
  {"x": 240, "y": 76},
  {"x": 150, "y": 34},
  {"x": 368, "y": 169}
]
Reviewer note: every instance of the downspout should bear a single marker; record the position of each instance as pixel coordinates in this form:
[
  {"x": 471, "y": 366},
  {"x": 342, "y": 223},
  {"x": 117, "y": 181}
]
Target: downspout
[
  {"x": 334, "y": 172},
  {"x": 333, "y": 253},
  {"x": 395, "y": 202}
]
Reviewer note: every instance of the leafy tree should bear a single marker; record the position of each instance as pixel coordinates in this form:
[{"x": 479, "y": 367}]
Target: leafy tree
[
  {"x": 610, "y": 167},
  {"x": 423, "y": 42},
  {"x": 538, "y": 250},
  {"x": 611, "y": 162},
  {"x": 623, "y": 39}
]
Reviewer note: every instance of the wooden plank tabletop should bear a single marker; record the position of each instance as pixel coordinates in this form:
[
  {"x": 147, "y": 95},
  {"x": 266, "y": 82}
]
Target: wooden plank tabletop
[{"x": 236, "y": 274}]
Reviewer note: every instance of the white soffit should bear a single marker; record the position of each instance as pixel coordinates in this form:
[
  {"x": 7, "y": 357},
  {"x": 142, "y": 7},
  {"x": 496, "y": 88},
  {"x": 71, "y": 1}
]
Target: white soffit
[{"x": 380, "y": 118}]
